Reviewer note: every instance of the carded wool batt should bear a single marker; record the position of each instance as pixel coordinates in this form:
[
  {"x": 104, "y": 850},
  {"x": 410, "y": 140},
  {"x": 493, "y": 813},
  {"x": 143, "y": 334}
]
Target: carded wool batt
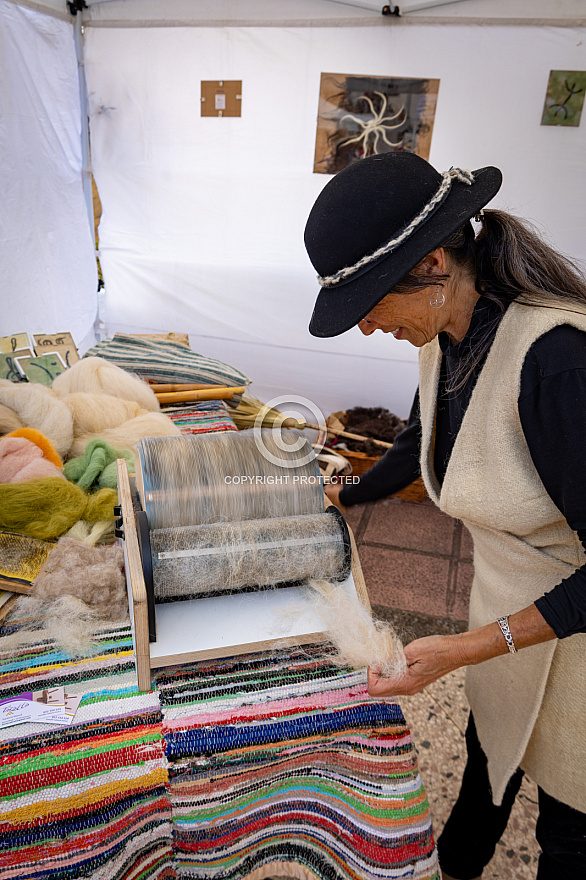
[
  {"x": 47, "y": 508},
  {"x": 225, "y": 557},
  {"x": 95, "y": 375},
  {"x": 38, "y": 407}
]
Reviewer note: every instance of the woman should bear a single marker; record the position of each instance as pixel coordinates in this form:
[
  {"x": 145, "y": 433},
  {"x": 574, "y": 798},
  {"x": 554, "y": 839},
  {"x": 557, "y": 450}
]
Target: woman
[{"x": 500, "y": 321}]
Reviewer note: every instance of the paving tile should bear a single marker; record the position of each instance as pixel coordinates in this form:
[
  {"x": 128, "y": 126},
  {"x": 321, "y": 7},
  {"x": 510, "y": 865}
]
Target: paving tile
[
  {"x": 353, "y": 516},
  {"x": 466, "y": 545},
  {"x": 464, "y": 575},
  {"x": 415, "y": 526},
  {"x": 401, "y": 579}
]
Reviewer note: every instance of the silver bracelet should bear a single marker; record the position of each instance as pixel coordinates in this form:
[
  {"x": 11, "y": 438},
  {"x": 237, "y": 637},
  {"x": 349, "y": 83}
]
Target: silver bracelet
[{"x": 503, "y": 622}]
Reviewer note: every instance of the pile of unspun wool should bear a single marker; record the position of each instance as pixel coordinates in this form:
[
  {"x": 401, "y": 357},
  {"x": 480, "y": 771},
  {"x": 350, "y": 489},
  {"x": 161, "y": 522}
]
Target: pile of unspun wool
[
  {"x": 96, "y": 468},
  {"x": 107, "y": 402},
  {"x": 78, "y": 588},
  {"x": 92, "y": 399},
  {"x": 48, "y": 507},
  {"x": 29, "y": 405},
  {"x": 92, "y": 574},
  {"x": 22, "y": 460}
]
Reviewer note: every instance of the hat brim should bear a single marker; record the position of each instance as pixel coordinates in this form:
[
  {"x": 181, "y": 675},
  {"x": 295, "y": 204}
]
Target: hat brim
[{"x": 339, "y": 308}]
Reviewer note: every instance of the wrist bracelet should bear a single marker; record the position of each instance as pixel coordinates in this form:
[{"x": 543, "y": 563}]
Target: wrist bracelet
[{"x": 503, "y": 622}]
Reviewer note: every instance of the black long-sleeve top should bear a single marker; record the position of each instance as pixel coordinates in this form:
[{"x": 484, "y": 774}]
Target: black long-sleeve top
[{"x": 552, "y": 410}]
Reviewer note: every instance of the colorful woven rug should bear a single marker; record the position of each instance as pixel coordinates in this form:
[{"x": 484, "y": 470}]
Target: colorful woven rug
[
  {"x": 87, "y": 800},
  {"x": 274, "y": 762},
  {"x": 201, "y": 418},
  {"x": 283, "y": 757}
]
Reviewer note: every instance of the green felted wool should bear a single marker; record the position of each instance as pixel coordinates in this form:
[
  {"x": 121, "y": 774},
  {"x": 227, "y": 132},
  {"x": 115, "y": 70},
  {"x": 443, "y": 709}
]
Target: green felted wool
[
  {"x": 97, "y": 465},
  {"x": 47, "y": 508}
]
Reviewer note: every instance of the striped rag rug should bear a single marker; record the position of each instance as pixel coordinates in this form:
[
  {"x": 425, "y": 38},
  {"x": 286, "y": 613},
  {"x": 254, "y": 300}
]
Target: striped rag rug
[
  {"x": 201, "y": 418},
  {"x": 167, "y": 361},
  {"x": 281, "y": 764},
  {"x": 273, "y": 764},
  {"x": 88, "y": 800}
]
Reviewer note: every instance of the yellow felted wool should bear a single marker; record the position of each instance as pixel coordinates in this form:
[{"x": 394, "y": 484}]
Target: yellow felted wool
[
  {"x": 47, "y": 508},
  {"x": 38, "y": 407},
  {"x": 94, "y": 413},
  {"x": 94, "y": 375},
  {"x": 41, "y": 441},
  {"x": 127, "y": 435}
]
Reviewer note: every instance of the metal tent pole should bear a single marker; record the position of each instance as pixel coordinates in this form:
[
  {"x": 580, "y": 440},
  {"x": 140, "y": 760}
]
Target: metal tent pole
[{"x": 86, "y": 170}]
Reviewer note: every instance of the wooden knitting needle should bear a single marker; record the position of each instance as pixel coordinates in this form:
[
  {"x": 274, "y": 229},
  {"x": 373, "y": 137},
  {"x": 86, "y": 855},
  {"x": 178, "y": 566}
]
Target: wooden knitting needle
[
  {"x": 165, "y": 387},
  {"x": 192, "y": 396}
]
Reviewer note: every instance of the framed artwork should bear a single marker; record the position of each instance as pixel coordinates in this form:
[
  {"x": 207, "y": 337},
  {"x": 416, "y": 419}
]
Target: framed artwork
[
  {"x": 362, "y": 116},
  {"x": 564, "y": 97}
]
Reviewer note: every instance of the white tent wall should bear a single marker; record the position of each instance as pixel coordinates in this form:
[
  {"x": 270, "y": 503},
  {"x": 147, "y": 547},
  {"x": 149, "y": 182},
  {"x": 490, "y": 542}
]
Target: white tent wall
[
  {"x": 203, "y": 218},
  {"x": 49, "y": 278}
]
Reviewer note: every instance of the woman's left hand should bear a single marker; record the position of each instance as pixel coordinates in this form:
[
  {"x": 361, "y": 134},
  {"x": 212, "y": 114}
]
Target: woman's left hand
[{"x": 427, "y": 660}]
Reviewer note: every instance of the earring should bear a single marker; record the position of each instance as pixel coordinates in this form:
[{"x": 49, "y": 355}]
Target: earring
[{"x": 437, "y": 299}]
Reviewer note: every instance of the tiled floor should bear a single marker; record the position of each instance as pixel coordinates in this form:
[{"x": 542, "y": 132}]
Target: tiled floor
[{"x": 418, "y": 568}]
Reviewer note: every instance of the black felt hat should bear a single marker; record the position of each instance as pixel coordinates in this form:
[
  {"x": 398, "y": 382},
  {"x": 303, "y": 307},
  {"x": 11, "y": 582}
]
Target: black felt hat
[{"x": 375, "y": 220}]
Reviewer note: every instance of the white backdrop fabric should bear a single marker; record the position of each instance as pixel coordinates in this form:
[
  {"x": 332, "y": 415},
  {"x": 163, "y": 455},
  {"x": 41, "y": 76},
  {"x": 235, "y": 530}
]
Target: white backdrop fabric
[
  {"x": 48, "y": 280},
  {"x": 203, "y": 220}
]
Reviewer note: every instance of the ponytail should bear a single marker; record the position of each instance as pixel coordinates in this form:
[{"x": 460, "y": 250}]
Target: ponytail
[{"x": 514, "y": 263}]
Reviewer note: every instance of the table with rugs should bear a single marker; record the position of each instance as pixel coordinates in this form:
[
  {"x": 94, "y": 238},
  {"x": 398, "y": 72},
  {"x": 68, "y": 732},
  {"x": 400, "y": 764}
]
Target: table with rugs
[{"x": 262, "y": 765}]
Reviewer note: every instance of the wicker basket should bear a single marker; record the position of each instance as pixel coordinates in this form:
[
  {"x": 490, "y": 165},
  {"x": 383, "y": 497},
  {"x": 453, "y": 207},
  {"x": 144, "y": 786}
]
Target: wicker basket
[{"x": 361, "y": 462}]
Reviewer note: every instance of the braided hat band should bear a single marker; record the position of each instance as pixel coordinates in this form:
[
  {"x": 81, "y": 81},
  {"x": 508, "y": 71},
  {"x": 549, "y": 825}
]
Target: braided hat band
[{"x": 428, "y": 209}]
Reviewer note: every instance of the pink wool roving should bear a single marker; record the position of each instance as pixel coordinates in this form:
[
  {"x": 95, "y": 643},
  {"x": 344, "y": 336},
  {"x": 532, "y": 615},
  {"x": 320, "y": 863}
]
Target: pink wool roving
[{"x": 22, "y": 460}]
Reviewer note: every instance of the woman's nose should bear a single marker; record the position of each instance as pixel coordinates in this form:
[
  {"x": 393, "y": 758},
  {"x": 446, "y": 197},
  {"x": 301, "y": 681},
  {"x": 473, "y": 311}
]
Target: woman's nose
[{"x": 367, "y": 327}]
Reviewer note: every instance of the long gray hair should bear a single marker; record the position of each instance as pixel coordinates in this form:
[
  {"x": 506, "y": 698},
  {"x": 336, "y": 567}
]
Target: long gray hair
[{"x": 509, "y": 262}]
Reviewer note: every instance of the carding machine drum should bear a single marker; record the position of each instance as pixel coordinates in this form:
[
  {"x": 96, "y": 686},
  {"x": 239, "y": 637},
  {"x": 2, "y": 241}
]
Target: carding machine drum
[{"x": 218, "y": 517}]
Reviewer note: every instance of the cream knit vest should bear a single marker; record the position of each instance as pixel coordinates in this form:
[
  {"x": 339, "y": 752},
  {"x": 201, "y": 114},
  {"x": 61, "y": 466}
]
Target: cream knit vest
[{"x": 529, "y": 708}]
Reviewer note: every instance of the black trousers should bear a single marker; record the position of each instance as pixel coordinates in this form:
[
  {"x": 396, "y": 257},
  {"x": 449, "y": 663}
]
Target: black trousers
[{"x": 469, "y": 839}]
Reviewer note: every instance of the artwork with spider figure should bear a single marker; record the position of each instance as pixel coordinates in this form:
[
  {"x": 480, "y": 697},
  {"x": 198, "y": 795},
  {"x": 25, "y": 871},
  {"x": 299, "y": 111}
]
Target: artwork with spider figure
[{"x": 363, "y": 116}]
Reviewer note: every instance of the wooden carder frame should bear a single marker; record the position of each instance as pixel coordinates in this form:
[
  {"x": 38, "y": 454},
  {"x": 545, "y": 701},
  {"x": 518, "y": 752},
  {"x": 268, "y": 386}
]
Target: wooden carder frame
[{"x": 220, "y": 626}]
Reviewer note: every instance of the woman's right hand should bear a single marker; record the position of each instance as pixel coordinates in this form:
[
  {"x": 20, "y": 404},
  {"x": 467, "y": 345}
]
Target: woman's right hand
[{"x": 333, "y": 490}]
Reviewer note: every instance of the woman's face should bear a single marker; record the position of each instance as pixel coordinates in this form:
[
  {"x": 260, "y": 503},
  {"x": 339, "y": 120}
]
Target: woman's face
[{"x": 408, "y": 316}]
